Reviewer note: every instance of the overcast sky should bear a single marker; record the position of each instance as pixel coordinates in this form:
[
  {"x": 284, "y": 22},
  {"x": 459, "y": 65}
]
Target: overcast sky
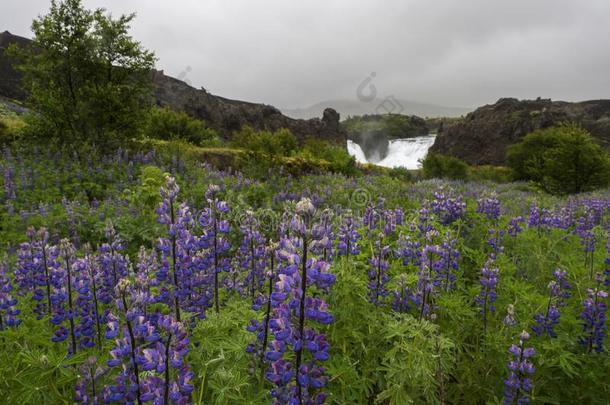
[{"x": 295, "y": 53}]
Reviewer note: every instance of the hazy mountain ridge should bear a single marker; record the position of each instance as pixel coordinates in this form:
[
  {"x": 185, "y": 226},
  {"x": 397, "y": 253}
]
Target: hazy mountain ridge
[{"x": 389, "y": 105}]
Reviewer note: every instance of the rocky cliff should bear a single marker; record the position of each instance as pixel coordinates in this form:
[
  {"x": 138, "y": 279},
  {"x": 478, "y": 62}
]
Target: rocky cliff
[
  {"x": 484, "y": 134},
  {"x": 222, "y": 114}
]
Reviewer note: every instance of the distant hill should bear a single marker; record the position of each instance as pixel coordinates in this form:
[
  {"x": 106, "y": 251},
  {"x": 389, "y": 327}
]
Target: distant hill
[
  {"x": 222, "y": 114},
  {"x": 350, "y": 108}
]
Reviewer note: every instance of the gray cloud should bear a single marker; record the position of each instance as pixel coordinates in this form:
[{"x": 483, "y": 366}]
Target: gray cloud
[{"x": 448, "y": 52}]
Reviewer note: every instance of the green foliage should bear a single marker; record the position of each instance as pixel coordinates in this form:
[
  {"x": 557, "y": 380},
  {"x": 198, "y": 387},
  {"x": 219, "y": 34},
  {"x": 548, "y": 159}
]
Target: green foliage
[
  {"x": 401, "y": 173},
  {"x": 86, "y": 77},
  {"x": 167, "y": 124},
  {"x": 497, "y": 174},
  {"x": 562, "y": 160},
  {"x": 11, "y": 129},
  {"x": 377, "y": 356},
  {"x": 270, "y": 144},
  {"x": 340, "y": 161},
  {"x": 392, "y": 125},
  {"x": 440, "y": 166}
]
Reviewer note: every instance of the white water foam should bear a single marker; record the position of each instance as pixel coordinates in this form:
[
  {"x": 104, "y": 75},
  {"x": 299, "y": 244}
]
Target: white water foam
[
  {"x": 356, "y": 151},
  {"x": 401, "y": 152}
]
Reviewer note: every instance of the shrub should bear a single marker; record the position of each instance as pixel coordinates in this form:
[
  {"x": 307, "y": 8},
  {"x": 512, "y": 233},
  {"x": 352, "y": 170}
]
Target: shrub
[
  {"x": 562, "y": 160},
  {"x": 165, "y": 123},
  {"x": 400, "y": 173},
  {"x": 335, "y": 154},
  {"x": 440, "y": 166},
  {"x": 11, "y": 129},
  {"x": 279, "y": 143},
  {"x": 497, "y": 174}
]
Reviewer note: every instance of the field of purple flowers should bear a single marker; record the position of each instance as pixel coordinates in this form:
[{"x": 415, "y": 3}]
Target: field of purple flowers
[{"x": 145, "y": 278}]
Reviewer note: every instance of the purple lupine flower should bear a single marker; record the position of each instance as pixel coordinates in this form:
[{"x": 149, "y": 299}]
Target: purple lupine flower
[
  {"x": 607, "y": 263},
  {"x": 214, "y": 239},
  {"x": 348, "y": 237},
  {"x": 252, "y": 254},
  {"x": 584, "y": 229},
  {"x": 490, "y": 207},
  {"x": 87, "y": 390},
  {"x": 62, "y": 297},
  {"x": 298, "y": 381},
  {"x": 162, "y": 356},
  {"x": 33, "y": 273},
  {"x": 112, "y": 262},
  {"x": 515, "y": 226},
  {"x": 495, "y": 242},
  {"x": 409, "y": 250},
  {"x": 392, "y": 218},
  {"x": 402, "y": 296},
  {"x": 447, "y": 264},
  {"x": 263, "y": 301},
  {"x": 372, "y": 215},
  {"x": 144, "y": 279},
  {"x": 425, "y": 283},
  {"x": 447, "y": 207},
  {"x": 487, "y": 296},
  {"x": 8, "y": 311},
  {"x": 166, "y": 215},
  {"x": 510, "y": 319},
  {"x": 594, "y": 318},
  {"x": 9, "y": 182},
  {"x": 27, "y": 268},
  {"x": 378, "y": 273},
  {"x": 128, "y": 347},
  {"x": 323, "y": 237},
  {"x": 425, "y": 224},
  {"x": 518, "y": 386},
  {"x": 535, "y": 218},
  {"x": 559, "y": 291}
]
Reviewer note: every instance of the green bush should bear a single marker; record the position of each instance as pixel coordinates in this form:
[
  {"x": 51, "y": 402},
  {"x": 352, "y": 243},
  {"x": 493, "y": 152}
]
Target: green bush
[
  {"x": 279, "y": 143},
  {"x": 497, "y": 174},
  {"x": 336, "y": 155},
  {"x": 11, "y": 129},
  {"x": 440, "y": 166},
  {"x": 400, "y": 173},
  {"x": 167, "y": 124},
  {"x": 562, "y": 160}
]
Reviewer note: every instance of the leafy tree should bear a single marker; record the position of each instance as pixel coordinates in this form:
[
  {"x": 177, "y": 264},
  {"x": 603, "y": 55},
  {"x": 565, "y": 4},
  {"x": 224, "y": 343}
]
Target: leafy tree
[
  {"x": 563, "y": 160},
  {"x": 165, "y": 123},
  {"x": 86, "y": 77}
]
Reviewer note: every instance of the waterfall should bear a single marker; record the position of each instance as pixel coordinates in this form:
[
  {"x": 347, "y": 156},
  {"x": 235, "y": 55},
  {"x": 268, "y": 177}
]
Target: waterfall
[
  {"x": 401, "y": 152},
  {"x": 356, "y": 151}
]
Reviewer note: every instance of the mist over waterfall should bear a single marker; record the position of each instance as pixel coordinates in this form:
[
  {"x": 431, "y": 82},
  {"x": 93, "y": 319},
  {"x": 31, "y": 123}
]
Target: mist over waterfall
[{"x": 401, "y": 152}]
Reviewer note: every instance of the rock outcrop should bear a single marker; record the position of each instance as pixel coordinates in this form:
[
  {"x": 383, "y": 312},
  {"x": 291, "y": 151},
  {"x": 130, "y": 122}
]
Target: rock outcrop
[
  {"x": 222, "y": 114},
  {"x": 484, "y": 134},
  {"x": 10, "y": 79}
]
